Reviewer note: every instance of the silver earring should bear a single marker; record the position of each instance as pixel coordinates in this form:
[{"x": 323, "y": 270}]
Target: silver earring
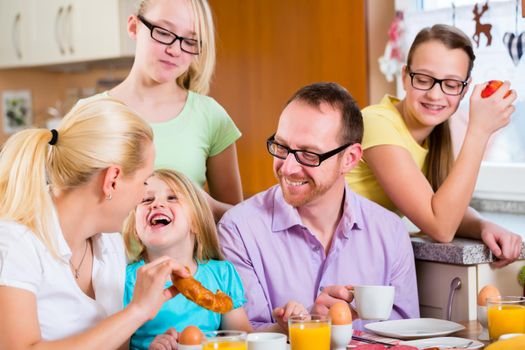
[{"x": 109, "y": 197}]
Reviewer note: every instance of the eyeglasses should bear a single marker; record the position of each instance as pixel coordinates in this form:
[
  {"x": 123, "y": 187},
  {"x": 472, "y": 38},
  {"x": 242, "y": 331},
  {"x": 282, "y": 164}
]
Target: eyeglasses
[
  {"x": 307, "y": 158},
  {"x": 166, "y": 37},
  {"x": 425, "y": 82}
]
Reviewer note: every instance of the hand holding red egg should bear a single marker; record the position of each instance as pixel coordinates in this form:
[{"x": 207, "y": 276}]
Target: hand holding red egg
[{"x": 489, "y": 114}]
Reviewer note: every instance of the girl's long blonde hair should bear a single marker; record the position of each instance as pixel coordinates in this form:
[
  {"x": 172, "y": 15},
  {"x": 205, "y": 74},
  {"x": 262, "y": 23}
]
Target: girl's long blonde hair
[
  {"x": 202, "y": 223},
  {"x": 198, "y": 77},
  {"x": 91, "y": 137}
]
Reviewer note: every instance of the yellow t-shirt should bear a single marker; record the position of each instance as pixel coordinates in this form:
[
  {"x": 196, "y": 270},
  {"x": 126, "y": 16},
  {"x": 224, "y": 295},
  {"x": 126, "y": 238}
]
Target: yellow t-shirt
[{"x": 383, "y": 125}]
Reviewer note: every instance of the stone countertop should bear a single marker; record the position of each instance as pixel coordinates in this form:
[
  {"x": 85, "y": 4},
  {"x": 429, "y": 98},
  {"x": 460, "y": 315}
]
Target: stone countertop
[{"x": 461, "y": 251}]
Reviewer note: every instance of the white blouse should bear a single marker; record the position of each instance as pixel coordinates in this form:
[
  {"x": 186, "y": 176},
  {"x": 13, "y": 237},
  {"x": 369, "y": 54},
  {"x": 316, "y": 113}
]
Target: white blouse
[{"x": 63, "y": 308}]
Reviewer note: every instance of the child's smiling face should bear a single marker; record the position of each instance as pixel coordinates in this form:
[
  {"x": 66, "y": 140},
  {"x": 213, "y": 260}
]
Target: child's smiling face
[{"x": 162, "y": 218}]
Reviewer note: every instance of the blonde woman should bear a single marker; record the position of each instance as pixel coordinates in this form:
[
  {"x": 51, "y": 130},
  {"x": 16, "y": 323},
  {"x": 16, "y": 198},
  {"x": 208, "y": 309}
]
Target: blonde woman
[
  {"x": 167, "y": 86},
  {"x": 173, "y": 219},
  {"x": 61, "y": 277}
]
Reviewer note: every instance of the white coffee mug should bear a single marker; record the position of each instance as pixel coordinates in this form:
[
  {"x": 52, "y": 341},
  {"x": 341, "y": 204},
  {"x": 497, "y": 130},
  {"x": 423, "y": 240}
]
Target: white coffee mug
[
  {"x": 266, "y": 341},
  {"x": 374, "y": 302}
]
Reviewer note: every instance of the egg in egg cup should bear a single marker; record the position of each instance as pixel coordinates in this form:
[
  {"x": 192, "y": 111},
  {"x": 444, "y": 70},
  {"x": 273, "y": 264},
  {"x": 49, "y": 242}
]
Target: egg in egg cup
[
  {"x": 341, "y": 330},
  {"x": 190, "y": 338},
  {"x": 486, "y": 292}
]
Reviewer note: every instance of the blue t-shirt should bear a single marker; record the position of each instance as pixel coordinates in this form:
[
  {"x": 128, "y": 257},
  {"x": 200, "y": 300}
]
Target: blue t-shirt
[{"x": 179, "y": 312}]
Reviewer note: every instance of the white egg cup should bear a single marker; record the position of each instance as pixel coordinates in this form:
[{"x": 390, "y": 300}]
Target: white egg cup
[
  {"x": 483, "y": 320},
  {"x": 190, "y": 347},
  {"x": 340, "y": 336}
]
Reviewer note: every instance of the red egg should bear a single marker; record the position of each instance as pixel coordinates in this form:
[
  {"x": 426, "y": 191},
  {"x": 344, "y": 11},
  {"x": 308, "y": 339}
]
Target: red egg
[{"x": 491, "y": 88}]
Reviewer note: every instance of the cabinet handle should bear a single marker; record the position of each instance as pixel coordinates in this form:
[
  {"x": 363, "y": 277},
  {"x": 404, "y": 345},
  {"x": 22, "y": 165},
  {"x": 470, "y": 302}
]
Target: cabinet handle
[
  {"x": 70, "y": 28},
  {"x": 454, "y": 285},
  {"x": 16, "y": 35},
  {"x": 58, "y": 37}
]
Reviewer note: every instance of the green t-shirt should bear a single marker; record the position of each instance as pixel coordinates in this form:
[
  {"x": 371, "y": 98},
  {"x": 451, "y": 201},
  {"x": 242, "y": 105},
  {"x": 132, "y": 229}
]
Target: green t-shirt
[
  {"x": 184, "y": 143},
  {"x": 203, "y": 129}
]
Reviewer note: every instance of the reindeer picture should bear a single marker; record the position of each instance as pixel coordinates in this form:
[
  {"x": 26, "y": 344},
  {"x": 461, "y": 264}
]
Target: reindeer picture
[{"x": 484, "y": 28}]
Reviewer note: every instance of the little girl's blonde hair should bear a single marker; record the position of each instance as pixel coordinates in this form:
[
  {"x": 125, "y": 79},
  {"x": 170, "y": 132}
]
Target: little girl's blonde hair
[{"x": 202, "y": 224}]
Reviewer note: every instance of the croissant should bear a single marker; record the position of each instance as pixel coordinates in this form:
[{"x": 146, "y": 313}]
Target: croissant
[{"x": 192, "y": 289}]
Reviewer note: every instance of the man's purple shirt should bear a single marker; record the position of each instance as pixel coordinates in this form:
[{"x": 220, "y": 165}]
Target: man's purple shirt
[{"x": 280, "y": 260}]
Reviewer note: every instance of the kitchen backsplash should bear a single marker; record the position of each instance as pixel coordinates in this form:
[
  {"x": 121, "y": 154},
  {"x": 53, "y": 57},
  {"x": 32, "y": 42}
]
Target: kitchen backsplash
[{"x": 53, "y": 93}]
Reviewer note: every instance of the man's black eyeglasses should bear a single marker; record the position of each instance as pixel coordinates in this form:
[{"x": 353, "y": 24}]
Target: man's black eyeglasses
[
  {"x": 166, "y": 37},
  {"x": 306, "y": 158},
  {"x": 426, "y": 82}
]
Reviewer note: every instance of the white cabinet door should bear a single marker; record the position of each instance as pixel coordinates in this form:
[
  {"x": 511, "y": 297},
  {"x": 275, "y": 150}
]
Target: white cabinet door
[
  {"x": 433, "y": 282},
  {"x": 46, "y": 32},
  {"x": 50, "y": 32},
  {"x": 16, "y": 19},
  {"x": 96, "y": 29}
]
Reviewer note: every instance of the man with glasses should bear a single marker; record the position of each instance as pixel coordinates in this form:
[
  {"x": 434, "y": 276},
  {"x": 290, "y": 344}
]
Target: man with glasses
[{"x": 310, "y": 238}]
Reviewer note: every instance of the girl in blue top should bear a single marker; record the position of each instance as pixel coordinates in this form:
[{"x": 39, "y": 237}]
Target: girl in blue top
[{"x": 173, "y": 219}]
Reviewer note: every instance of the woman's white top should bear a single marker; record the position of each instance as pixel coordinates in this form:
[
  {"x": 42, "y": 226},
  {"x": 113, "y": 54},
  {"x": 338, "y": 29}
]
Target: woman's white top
[{"x": 63, "y": 309}]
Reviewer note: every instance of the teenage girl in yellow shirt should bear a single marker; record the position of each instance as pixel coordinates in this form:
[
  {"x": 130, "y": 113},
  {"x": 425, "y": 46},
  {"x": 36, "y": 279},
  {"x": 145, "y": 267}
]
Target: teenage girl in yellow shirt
[{"x": 407, "y": 163}]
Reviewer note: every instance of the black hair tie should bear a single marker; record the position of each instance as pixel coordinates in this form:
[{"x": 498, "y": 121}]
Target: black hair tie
[{"x": 54, "y": 137}]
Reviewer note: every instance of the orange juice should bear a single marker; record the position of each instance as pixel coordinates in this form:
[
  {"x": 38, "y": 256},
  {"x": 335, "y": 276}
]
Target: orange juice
[
  {"x": 504, "y": 319},
  {"x": 310, "y": 336},
  {"x": 225, "y": 345}
]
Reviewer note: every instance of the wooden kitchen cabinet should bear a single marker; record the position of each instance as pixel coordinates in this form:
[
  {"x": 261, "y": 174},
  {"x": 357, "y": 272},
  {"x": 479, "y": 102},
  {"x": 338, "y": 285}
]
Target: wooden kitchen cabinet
[
  {"x": 16, "y": 21},
  {"x": 68, "y": 31}
]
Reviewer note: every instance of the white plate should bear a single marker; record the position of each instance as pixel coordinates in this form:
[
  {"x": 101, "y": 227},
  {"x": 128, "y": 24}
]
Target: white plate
[
  {"x": 443, "y": 342},
  {"x": 414, "y": 328}
]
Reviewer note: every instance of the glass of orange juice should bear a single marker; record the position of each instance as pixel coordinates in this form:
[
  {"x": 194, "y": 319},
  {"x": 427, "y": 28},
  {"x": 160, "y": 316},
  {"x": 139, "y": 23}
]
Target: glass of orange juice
[
  {"x": 309, "y": 332},
  {"x": 230, "y": 340},
  {"x": 506, "y": 314}
]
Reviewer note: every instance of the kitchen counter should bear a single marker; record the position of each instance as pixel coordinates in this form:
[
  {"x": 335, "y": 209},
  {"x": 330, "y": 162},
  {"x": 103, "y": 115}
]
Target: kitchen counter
[
  {"x": 440, "y": 266},
  {"x": 461, "y": 251}
]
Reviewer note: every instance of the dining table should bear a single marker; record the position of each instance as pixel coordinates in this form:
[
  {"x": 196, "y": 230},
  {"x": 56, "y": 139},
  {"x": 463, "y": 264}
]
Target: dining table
[{"x": 472, "y": 331}]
